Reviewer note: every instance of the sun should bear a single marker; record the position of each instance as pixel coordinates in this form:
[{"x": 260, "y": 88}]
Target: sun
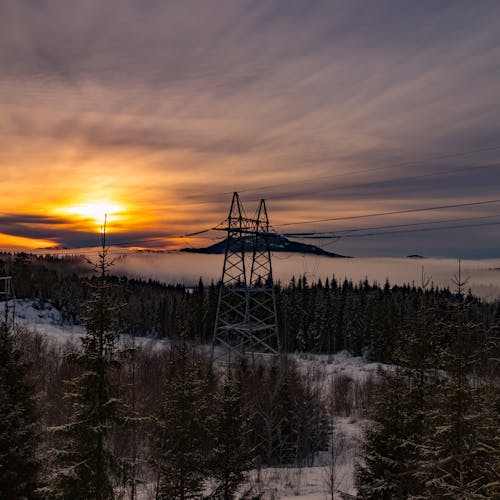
[{"x": 96, "y": 212}]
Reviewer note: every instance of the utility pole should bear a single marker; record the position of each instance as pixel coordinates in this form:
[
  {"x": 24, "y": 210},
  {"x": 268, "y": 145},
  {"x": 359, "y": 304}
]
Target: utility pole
[
  {"x": 5, "y": 287},
  {"x": 6, "y": 296}
]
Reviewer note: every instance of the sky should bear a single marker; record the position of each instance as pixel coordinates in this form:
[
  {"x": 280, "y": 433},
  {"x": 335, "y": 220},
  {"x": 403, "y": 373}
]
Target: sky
[{"x": 155, "y": 111}]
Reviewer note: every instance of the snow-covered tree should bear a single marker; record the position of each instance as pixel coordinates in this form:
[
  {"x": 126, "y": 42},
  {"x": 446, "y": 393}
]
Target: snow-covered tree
[
  {"x": 232, "y": 455},
  {"x": 19, "y": 421},
  {"x": 182, "y": 429},
  {"x": 391, "y": 448},
  {"x": 84, "y": 463},
  {"x": 385, "y": 470},
  {"x": 435, "y": 431},
  {"x": 461, "y": 453}
]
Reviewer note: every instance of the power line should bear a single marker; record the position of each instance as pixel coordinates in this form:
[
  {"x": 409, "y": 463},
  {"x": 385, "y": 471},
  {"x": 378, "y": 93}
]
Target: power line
[
  {"x": 341, "y": 186},
  {"x": 70, "y": 252},
  {"x": 396, "y": 212},
  {"x": 459, "y": 226},
  {"x": 90, "y": 250},
  {"x": 367, "y": 170},
  {"x": 385, "y": 167},
  {"x": 336, "y": 235},
  {"x": 332, "y": 234},
  {"x": 206, "y": 230},
  {"x": 312, "y": 235},
  {"x": 203, "y": 231},
  {"x": 380, "y": 182},
  {"x": 159, "y": 238}
]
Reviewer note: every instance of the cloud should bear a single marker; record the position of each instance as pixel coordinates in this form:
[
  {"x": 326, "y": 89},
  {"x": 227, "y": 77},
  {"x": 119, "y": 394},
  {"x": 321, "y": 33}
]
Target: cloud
[
  {"x": 67, "y": 232},
  {"x": 166, "y": 104},
  {"x": 34, "y": 226}
]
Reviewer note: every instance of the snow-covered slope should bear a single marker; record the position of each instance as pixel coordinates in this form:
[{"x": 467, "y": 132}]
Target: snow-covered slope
[
  {"x": 339, "y": 372},
  {"x": 43, "y": 318}
]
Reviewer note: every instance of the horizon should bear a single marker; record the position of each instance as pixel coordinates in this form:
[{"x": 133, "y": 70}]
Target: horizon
[{"x": 175, "y": 267}]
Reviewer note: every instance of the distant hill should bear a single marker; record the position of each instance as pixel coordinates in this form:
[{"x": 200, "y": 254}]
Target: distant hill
[{"x": 277, "y": 243}]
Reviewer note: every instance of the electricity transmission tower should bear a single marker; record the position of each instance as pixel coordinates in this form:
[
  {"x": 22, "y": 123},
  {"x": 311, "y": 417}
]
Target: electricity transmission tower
[{"x": 246, "y": 318}]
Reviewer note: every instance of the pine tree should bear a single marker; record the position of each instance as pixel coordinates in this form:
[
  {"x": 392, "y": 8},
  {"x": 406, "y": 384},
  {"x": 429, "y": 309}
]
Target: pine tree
[
  {"x": 85, "y": 465},
  {"x": 19, "y": 421},
  {"x": 232, "y": 455},
  {"x": 181, "y": 456}
]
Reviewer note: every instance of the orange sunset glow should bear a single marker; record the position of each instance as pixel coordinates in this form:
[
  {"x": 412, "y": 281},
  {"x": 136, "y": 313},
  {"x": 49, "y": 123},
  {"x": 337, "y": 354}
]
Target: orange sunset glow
[
  {"x": 95, "y": 213},
  {"x": 19, "y": 243}
]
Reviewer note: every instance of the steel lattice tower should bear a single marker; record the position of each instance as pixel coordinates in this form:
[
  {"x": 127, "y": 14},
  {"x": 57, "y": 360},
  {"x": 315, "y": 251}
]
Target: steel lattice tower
[{"x": 246, "y": 318}]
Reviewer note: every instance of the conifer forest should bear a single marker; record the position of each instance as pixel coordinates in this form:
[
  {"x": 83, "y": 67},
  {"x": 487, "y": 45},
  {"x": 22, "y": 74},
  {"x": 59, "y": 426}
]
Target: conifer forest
[{"x": 114, "y": 417}]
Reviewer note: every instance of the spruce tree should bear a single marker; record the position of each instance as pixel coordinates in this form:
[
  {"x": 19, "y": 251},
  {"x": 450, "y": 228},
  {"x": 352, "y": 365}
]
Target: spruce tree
[
  {"x": 85, "y": 466},
  {"x": 391, "y": 448},
  {"x": 131, "y": 434},
  {"x": 232, "y": 455},
  {"x": 289, "y": 423},
  {"x": 460, "y": 455},
  {"x": 383, "y": 471},
  {"x": 19, "y": 421},
  {"x": 181, "y": 460}
]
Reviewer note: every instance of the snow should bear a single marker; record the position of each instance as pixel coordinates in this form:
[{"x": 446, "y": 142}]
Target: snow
[
  {"x": 341, "y": 363},
  {"x": 45, "y": 319},
  {"x": 306, "y": 483},
  {"x": 302, "y": 482},
  {"x": 42, "y": 318}
]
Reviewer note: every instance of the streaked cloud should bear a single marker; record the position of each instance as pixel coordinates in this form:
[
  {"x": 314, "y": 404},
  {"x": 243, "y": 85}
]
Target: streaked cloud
[{"x": 162, "y": 105}]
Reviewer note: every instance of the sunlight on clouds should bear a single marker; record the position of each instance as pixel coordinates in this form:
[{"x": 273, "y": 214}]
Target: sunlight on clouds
[
  {"x": 94, "y": 213},
  {"x": 15, "y": 243}
]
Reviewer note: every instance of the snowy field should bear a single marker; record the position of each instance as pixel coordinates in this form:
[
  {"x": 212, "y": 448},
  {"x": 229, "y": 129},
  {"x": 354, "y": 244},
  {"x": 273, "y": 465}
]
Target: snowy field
[{"x": 309, "y": 483}]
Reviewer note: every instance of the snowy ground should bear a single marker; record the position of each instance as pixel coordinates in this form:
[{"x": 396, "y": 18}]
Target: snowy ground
[
  {"x": 309, "y": 483},
  {"x": 45, "y": 319},
  {"x": 42, "y": 318}
]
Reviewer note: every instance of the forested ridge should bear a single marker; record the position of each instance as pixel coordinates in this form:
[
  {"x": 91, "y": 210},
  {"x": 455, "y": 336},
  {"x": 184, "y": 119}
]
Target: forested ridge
[{"x": 322, "y": 317}]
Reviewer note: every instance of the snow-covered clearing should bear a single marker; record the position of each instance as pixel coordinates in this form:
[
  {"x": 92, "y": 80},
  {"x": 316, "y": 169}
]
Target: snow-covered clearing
[
  {"x": 45, "y": 319},
  {"x": 340, "y": 372}
]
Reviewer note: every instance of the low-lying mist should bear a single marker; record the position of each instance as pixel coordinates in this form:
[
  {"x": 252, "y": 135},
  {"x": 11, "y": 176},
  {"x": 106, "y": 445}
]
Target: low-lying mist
[{"x": 178, "y": 267}]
